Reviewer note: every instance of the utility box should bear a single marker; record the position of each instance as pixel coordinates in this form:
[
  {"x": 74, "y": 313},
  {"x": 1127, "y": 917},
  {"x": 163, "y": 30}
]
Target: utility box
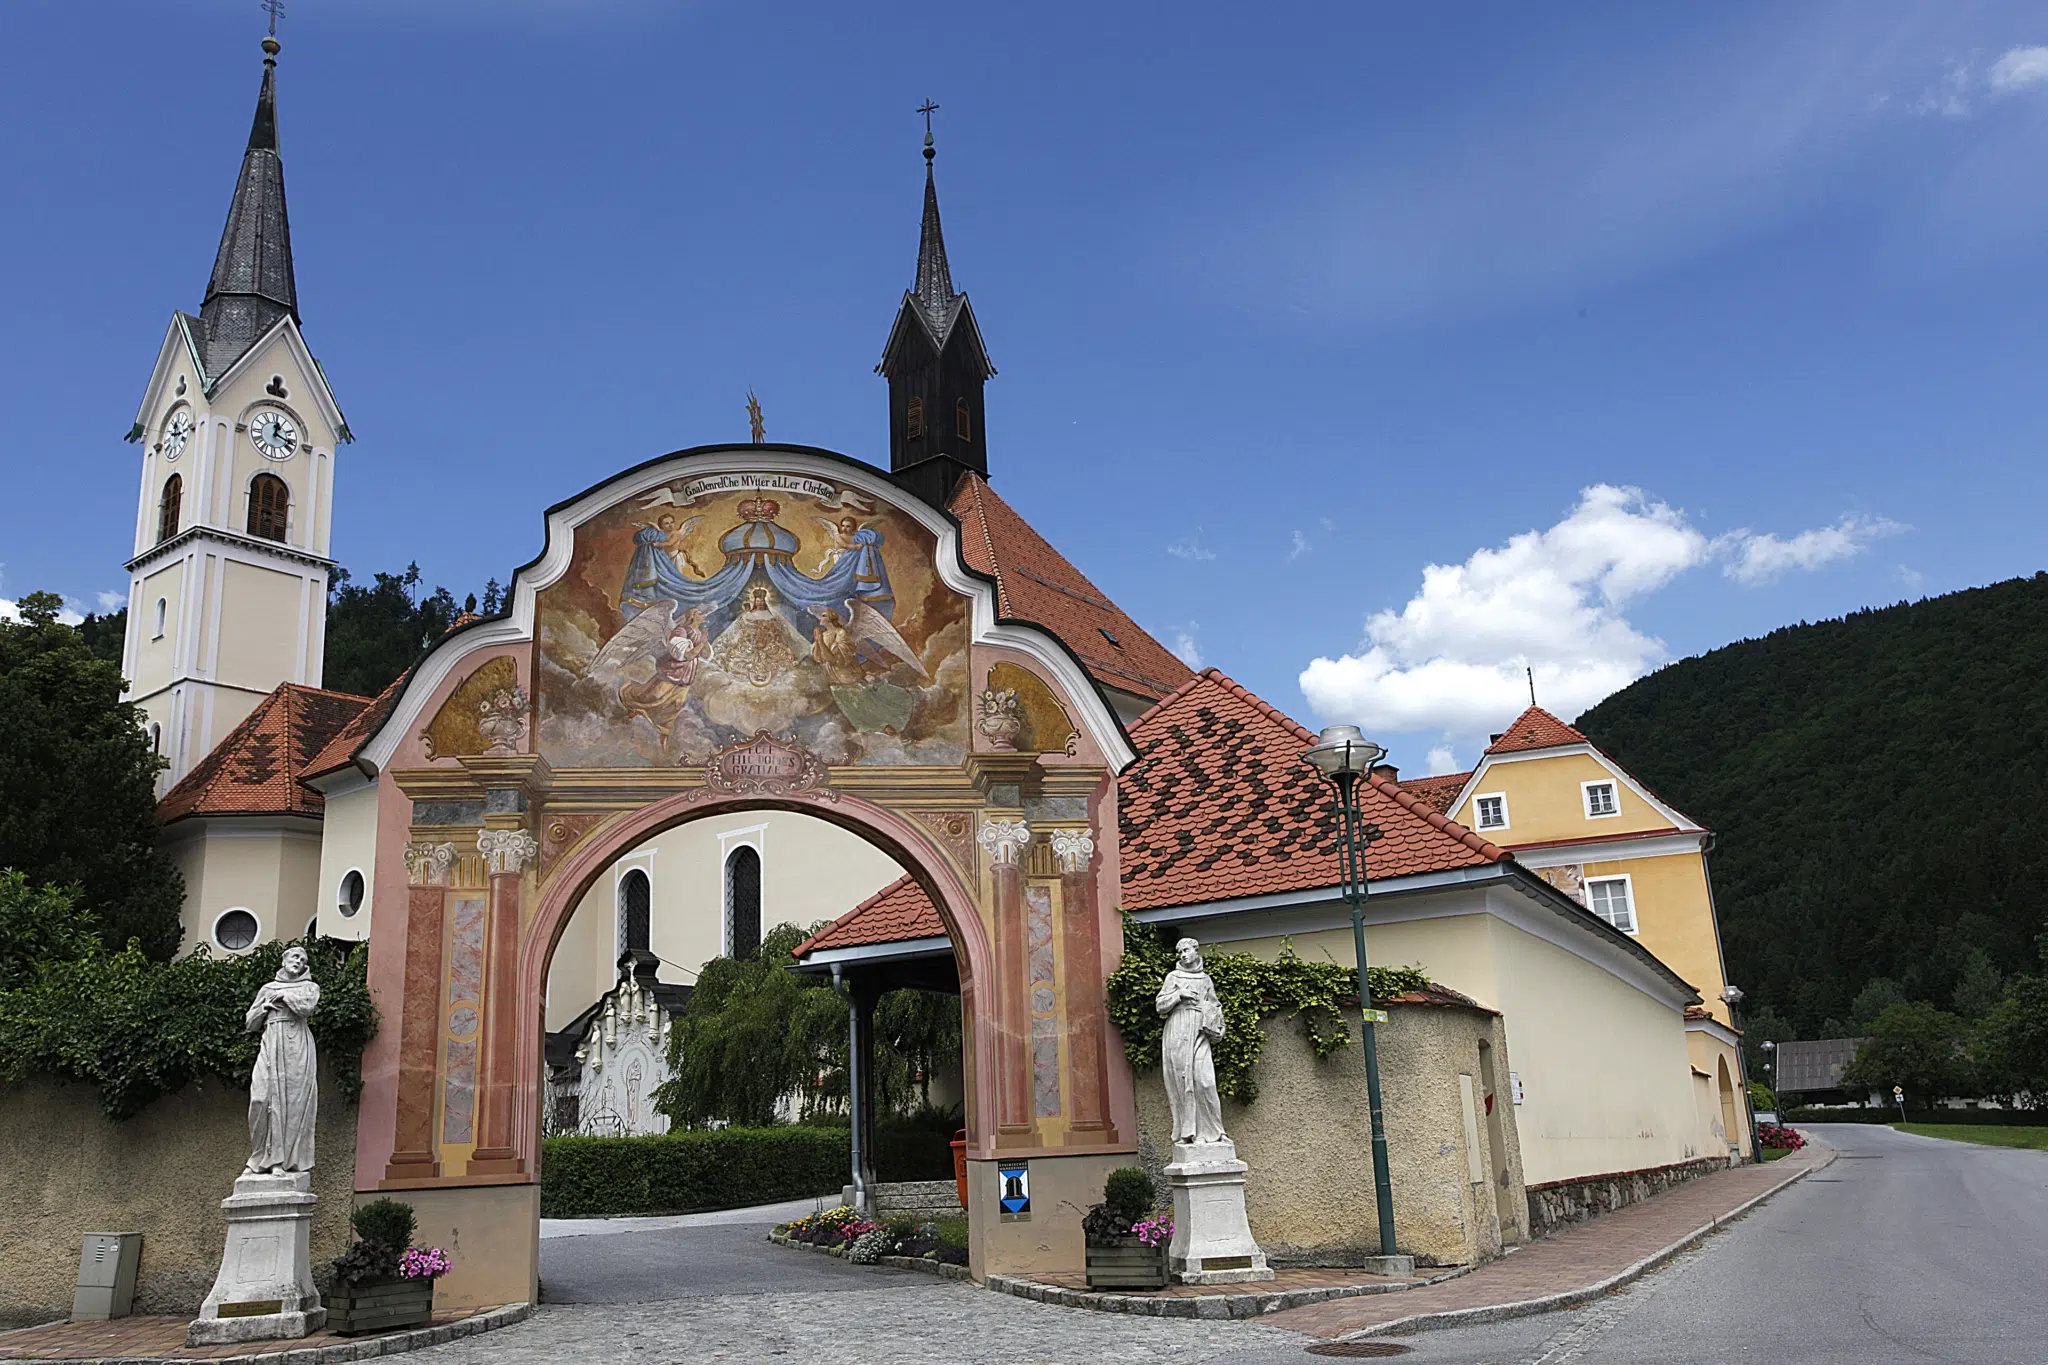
[{"x": 106, "y": 1276}]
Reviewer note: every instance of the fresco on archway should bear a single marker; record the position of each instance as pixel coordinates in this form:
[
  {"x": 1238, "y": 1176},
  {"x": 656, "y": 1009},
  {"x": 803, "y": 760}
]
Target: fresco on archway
[{"x": 695, "y": 615}]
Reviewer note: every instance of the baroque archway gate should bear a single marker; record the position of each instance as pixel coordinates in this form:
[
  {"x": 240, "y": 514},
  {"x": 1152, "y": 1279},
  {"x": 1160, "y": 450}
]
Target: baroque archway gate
[{"x": 717, "y": 630}]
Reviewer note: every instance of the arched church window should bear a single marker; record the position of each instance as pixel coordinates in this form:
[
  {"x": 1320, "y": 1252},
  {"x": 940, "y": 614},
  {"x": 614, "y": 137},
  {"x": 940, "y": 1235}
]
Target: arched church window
[
  {"x": 270, "y": 506},
  {"x": 635, "y": 896},
  {"x": 743, "y": 902},
  {"x": 167, "y": 507},
  {"x": 963, "y": 421},
  {"x": 913, "y": 421},
  {"x": 156, "y": 739},
  {"x": 162, "y": 607}
]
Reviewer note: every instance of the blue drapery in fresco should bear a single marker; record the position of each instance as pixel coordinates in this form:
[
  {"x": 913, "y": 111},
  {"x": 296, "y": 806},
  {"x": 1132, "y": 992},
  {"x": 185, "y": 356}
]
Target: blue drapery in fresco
[
  {"x": 859, "y": 573},
  {"x": 652, "y": 576}
]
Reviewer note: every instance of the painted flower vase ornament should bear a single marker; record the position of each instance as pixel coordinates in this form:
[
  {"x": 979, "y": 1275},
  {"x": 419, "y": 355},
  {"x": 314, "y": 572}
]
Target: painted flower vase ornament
[
  {"x": 501, "y": 720},
  {"x": 1001, "y": 721}
]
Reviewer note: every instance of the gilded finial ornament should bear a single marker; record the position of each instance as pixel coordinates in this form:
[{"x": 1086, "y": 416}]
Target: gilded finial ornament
[
  {"x": 275, "y": 9},
  {"x": 755, "y": 426},
  {"x": 928, "y": 109}
]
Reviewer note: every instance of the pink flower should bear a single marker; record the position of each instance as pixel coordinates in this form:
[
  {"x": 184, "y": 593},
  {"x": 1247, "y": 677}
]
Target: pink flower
[{"x": 423, "y": 1263}]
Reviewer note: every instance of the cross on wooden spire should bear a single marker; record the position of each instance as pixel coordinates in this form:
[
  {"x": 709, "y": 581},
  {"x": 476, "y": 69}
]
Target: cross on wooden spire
[{"x": 275, "y": 9}]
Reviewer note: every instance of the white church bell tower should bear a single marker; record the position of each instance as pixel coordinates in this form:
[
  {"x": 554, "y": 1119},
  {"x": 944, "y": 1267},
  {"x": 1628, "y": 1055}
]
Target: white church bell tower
[{"x": 227, "y": 590}]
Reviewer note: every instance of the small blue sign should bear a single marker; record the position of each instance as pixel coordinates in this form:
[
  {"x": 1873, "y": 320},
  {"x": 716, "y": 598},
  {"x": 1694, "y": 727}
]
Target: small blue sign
[{"x": 1013, "y": 1191}]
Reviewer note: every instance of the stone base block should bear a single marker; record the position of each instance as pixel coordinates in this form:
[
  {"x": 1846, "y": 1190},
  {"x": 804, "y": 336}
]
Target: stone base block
[
  {"x": 1212, "y": 1242},
  {"x": 1401, "y": 1267},
  {"x": 264, "y": 1291}
]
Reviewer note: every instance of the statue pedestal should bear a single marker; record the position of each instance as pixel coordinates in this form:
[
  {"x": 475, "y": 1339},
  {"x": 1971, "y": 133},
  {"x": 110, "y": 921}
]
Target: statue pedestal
[
  {"x": 265, "y": 1288},
  {"x": 1212, "y": 1242}
]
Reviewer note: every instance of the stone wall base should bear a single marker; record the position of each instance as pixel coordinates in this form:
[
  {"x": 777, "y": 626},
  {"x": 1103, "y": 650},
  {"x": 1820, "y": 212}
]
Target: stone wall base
[
  {"x": 1561, "y": 1203},
  {"x": 913, "y": 1198}
]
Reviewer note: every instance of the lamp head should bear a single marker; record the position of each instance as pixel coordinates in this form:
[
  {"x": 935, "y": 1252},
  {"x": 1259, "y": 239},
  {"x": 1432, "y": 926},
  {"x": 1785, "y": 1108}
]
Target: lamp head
[
  {"x": 1732, "y": 994},
  {"x": 1341, "y": 753}
]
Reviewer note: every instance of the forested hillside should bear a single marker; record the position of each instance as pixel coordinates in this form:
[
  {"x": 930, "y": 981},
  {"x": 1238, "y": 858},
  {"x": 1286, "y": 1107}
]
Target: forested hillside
[{"x": 1879, "y": 789}]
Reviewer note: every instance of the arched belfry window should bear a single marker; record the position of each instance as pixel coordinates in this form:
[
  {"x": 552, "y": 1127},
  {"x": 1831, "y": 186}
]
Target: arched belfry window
[
  {"x": 635, "y": 898},
  {"x": 963, "y": 420},
  {"x": 270, "y": 507},
  {"x": 743, "y": 902},
  {"x": 167, "y": 507},
  {"x": 913, "y": 421}
]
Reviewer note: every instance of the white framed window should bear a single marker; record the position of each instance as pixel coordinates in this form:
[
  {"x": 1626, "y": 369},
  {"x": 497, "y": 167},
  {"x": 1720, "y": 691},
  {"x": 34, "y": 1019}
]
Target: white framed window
[
  {"x": 349, "y": 896},
  {"x": 1612, "y": 899},
  {"x": 1490, "y": 811},
  {"x": 236, "y": 930},
  {"x": 1602, "y": 798}
]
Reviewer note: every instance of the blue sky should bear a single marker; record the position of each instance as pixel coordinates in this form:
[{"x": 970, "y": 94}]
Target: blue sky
[{"x": 1368, "y": 352}]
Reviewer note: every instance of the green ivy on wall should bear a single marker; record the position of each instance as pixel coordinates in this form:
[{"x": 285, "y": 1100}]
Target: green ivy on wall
[
  {"x": 138, "y": 1029},
  {"x": 1250, "y": 989}
]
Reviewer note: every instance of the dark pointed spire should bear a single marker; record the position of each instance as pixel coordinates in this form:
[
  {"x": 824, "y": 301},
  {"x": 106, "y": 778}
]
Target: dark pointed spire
[
  {"x": 934, "y": 290},
  {"x": 936, "y": 365},
  {"x": 252, "y": 285}
]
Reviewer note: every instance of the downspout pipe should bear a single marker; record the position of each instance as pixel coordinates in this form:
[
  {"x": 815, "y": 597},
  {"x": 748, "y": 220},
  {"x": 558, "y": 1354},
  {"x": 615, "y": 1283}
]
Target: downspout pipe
[{"x": 856, "y": 1067}]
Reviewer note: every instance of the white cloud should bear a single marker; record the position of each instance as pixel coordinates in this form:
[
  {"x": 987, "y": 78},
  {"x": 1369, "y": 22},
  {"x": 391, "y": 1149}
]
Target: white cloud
[
  {"x": 1441, "y": 760},
  {"x": 1754, "y": 559},
  {"x": 111, "y": 602},
  {"x": 1186, "y": 647},
  {"x": 11, "y": 611},
  {"x": 1910, "y": 577},
  {"x": 2018, "y": 69},
  {"x": 1298, "y": 546},
  {"x": 1453, "y": 658},
  {"x": 1190, "y": 547}
]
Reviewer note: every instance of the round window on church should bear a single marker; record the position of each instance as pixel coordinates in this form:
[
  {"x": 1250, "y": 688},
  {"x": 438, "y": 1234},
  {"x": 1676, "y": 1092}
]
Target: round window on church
[
  {"x": 351, "y": 898},
  {"x": 235, "y": 930}
]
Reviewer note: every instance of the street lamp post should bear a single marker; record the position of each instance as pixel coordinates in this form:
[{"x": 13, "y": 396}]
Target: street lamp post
[{"x": 1345, "y": 757}]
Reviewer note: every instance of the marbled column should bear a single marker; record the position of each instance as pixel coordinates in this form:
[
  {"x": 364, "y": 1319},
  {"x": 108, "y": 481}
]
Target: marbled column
[
  {"x": 507, "y": 852},
  {"x": 1005, "y": 841},
  {"x": 1087, "y": 1064},
  {"x": 419, "y": 1012}
]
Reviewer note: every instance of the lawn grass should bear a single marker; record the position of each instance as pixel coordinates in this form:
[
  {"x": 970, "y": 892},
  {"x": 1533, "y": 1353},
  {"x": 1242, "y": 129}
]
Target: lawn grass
[
  {"x": 1989, "y": 1135},
  {"x": 1773, "y": 1153}
]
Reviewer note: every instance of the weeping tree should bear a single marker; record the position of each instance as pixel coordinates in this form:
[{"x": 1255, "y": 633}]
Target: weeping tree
[{"x": 756, "y": 1033}]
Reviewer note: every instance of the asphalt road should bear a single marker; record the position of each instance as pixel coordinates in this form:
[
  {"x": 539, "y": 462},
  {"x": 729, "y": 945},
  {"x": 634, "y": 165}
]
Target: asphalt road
[{"x": 1906, "y": 1249}]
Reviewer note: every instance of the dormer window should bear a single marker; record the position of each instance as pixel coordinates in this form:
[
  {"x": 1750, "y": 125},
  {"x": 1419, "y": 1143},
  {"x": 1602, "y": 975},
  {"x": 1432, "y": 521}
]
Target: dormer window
[
  {"x": 1601, "y": 799},
  {"x": 1492, "y": 811}
]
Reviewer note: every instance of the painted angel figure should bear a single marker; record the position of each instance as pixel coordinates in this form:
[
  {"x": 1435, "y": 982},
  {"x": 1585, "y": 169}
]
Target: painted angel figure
[
  {"x": 674, "y": 543},
  {"x": 284, "y": 1090},
  {"x": 1194, "y": 1021},
  {"x": 678, "y": 646}
]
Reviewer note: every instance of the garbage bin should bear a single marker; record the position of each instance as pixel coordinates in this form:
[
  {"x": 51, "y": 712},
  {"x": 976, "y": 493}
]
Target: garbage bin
[{"x": 106, "y": 1276}]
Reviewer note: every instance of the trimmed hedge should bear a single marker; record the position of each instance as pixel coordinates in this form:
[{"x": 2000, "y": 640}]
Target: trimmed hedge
[
  {"x": 689, "y": 1171},
  {"x": 2005, "y": 1118}
]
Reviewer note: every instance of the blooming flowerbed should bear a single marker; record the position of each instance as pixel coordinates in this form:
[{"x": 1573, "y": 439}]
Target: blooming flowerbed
[
  {"x": 865, "y": 1243},
  {"x": 1779, "y": 1136}
]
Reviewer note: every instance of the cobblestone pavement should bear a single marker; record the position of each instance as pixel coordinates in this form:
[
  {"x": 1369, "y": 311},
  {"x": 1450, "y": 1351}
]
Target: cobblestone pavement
[{"x": 942, "y": 1322}]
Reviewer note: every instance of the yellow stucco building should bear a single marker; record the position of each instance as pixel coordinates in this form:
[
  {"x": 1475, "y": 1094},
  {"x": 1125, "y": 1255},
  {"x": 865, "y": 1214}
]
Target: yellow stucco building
[{"x": 1579, "y": 820}]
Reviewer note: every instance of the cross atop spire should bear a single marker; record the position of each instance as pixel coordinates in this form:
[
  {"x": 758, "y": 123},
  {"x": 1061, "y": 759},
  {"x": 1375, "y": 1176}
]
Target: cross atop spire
[
  {"x": 252, "y": 284},
  {"x": 934, "y": 288},
  {"x": 275, "y": 9}
]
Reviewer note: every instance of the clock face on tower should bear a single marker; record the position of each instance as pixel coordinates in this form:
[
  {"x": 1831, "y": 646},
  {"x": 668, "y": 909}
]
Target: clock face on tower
[
  {"x": 275, "y": 436},
  {"x": 177, "y": 432}
]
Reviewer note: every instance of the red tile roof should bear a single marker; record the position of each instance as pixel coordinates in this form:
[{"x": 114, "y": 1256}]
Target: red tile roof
[
  {"x": 256, "y": 769},
  {"x": 898, "y": 912},
  {"x": 1438, "y": 793},
  {"x": 341, "y": 748},
  {"x": 1535, "y": 728},
  {"x": 1035, "y": 583},
  {"x": 1220, "y": 805}
]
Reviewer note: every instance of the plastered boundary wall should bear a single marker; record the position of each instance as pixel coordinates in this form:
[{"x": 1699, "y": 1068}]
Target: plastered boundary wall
[
  {"x": 1307, "y": 1139},
  {"x": 66, "y": 1170}
]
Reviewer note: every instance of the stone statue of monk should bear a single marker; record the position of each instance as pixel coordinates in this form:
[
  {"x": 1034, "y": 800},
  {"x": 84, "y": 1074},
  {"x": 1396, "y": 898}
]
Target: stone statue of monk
[
  {"x": 1194, "y": 1020},
  {"x": 284, "y": 1092}
]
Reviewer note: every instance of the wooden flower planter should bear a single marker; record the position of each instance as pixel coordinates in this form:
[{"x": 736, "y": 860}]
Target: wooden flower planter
[
  {"x": 1128, "y": 1265},
  {"x": 380, "y": 1306}
]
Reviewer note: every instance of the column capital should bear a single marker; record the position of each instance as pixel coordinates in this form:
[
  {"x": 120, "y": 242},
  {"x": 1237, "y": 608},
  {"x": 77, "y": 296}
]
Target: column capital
[
  {"x": 428, "y": 864},
  {"x": 1004, "y": 839},
  {"x": 1074, "y": 848},
  {"x": 528, "y": 773},
  {"x": 507, "y": 851}
]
